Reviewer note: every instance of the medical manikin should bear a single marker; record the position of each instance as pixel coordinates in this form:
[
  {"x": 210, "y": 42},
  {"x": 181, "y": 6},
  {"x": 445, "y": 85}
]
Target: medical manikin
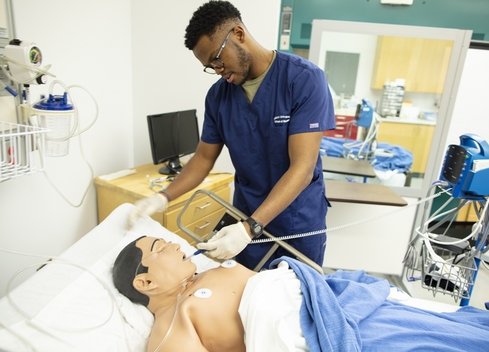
[
  {"x": 193, "y": 312},
  {"x": 290, "y": 307}
]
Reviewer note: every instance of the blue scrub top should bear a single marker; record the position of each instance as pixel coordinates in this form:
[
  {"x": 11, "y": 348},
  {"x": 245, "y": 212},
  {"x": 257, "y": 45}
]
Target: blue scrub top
[{"x": 293, "y": 98}]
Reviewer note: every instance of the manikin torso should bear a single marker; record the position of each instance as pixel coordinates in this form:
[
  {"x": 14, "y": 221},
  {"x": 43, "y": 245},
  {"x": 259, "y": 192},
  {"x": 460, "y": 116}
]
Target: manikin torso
[{"x": 207, "y": 318}]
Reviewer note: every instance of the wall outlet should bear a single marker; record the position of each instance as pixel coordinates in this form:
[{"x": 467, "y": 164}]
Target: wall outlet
[{"x": 284, "y": 42}]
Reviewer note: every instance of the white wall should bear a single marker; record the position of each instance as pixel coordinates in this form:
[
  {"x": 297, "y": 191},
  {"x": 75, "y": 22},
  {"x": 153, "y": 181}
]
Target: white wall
[
  {"x": 470, "y": 113},
  {"x": 87, "y": 43},
  {"x": 130, "y": 56},
  {"x": 166, "y": 75},
  {"x": 376, "y": 239},
  {"x": 362, "y": 44}
]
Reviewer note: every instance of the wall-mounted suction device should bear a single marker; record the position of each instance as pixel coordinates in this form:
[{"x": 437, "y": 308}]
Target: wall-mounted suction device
[
  {"x": 22, "y": 64},
  {"x": 24, "y": 59}
]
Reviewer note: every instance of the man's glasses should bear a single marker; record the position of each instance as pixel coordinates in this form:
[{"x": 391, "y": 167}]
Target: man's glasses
[{"x": 216, "y": 63}]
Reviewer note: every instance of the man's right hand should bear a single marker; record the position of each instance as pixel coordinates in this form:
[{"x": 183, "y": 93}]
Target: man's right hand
[{"x": 147, "y": 206}]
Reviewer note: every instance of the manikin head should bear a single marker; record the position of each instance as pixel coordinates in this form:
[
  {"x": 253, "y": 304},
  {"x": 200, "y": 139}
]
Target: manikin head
[
  {"x": 150, "y": 267},
  {"x": 220, "y": 41}
]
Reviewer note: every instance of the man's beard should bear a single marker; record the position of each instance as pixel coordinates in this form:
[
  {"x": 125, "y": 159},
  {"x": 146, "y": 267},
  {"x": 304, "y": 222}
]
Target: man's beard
[{"x": 245, "y": 62}]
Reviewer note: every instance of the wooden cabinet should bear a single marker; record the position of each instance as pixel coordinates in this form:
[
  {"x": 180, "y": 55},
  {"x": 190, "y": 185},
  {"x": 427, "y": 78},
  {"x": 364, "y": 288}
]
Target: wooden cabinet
[
  {"x": 414, "y": 137},
  {"x": 200, "y": 217},
  {"x": 345, "y": 128},
  {"x": 423, "y": 63},
  {"x": 467, "y": 214}
]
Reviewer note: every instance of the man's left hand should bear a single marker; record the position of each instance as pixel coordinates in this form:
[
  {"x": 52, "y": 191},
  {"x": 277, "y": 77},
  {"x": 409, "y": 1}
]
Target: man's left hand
[{"x": 228, "y": 242}]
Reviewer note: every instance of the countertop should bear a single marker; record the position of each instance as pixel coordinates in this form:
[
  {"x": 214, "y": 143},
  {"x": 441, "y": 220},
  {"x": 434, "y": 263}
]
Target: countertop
[
  {"x": 345, "y": 112},
  {"x": 410, "y": 121},
  {"x": 351, "y": 112}
]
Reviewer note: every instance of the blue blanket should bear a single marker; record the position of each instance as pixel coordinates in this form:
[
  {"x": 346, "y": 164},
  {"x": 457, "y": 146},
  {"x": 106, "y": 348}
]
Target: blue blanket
[
  {"x": 348, "y": 311},
  {"x": 401, "y": 159}
]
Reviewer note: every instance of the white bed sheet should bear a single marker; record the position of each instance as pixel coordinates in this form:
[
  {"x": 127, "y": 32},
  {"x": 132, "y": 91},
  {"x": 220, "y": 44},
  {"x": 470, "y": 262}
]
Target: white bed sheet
[
  {"x": 270, "y": 310},
  {"x": 75, "y": 310}
]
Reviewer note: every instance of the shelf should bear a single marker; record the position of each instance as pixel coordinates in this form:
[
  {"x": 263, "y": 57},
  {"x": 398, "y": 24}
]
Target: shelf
[{"x": 16, "y": 144}]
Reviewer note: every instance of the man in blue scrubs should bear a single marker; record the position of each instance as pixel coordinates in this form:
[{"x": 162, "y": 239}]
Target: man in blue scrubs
[{"x": 270, "y": 110}]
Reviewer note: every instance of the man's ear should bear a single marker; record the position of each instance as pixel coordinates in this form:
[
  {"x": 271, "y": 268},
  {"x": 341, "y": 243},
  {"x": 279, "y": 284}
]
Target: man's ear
[
  {"x": 240, "y": 33},
  {"x": 143, "y": 283}
]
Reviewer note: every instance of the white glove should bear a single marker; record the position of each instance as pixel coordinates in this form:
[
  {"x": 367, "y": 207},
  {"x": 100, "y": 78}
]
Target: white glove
[
  {"x": 228, "y": 242},
  {"x": 147, "y": 206}
]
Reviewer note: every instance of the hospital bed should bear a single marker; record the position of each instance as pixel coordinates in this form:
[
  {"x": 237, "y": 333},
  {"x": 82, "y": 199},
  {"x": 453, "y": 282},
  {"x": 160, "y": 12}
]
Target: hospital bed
[
  {"x": 233, "y": 215},
  {"x": 65, "y": 308}
]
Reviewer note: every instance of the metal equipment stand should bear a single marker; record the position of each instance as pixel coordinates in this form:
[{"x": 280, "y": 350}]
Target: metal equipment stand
[
  {"x": 238, "y": 216},
  {"x": 449, "y": 265}
]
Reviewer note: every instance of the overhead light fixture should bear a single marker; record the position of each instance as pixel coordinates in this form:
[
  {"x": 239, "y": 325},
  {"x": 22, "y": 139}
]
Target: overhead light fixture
[{"x": 396, "y": 2}]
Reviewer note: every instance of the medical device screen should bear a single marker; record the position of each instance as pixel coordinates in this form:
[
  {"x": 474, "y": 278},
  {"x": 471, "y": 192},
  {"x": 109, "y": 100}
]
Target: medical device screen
[{"x": 171, "y": 136}]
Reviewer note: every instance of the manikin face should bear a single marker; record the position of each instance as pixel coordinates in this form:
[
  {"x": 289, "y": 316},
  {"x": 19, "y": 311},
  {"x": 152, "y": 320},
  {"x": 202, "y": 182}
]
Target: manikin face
[
  {"x": 165, "y": 263},
  {"x": 233, "y": 63}
]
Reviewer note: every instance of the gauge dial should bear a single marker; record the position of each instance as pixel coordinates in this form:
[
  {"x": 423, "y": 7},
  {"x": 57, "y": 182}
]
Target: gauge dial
[{"x": 35, "y": 55}]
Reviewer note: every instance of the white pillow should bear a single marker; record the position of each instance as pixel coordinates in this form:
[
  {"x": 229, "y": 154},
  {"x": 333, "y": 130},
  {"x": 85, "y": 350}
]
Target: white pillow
[
  {"x": 83, "y": 316},
  {"x": 136, "y": 314},
  {"x": 69, "y": 309}
]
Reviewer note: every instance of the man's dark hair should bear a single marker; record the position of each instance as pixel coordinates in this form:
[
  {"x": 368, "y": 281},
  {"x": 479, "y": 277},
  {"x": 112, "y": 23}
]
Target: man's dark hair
[
  {"x": 208, "y": 19},
  {"x": 124, "y": 272}
]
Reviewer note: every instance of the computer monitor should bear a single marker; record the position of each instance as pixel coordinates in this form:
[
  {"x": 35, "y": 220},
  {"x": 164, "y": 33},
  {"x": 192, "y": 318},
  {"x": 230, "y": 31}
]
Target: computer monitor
[{"x": 172, "y": 135}]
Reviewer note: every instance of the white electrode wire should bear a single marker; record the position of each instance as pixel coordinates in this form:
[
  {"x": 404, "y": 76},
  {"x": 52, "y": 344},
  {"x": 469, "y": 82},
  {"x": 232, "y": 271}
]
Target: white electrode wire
[
  {"x": 422, "y": 230},
  {"x": 411, "y": 256},
  {"x": 290, "y": 237},
  {"x": 348, "y": 129},
  {"x": 171, "y": 324},
  {"x": 76, "y": 122},
  {"x": 445, "y": 215},
  {"x": 484, "y": 264},
  {"x": 56, "y": 188},
  {"x": 432, "y": 186},
  {"x": 475, "y": 229},
  {"x": 427, "y": 240},
  {"x": 434, "y": 257},
  {"x": 76, "y": 119},
  {"x": 477, "y": 210},
  {"x": 58, "y": 260},
  {"x": 371, "y": 134},
  {"x": 481, "y": 247},
  {"x": 437, "y": 211}
]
